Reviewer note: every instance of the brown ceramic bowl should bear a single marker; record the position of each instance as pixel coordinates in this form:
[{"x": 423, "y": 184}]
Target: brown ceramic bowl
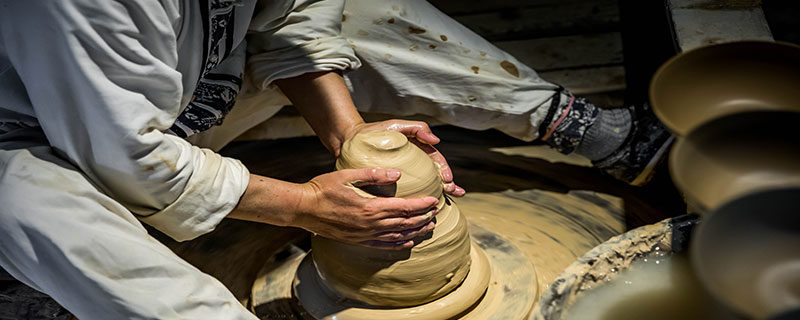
[
  {"x": 702, "y": 84},
  {"x": 747, "y": 253},
  {"x": 736, "y": 155}
]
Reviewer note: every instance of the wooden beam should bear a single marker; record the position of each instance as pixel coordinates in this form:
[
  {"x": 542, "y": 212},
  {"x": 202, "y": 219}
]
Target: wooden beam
[
  {"x": 589, "y": 80},
  {"x": 558, "y": 19},
  {"x": 544, "y": 54}
]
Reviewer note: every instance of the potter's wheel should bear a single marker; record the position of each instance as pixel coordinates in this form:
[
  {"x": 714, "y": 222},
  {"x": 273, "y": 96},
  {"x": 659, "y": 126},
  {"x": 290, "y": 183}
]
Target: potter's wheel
[
  {"x": 547, "y": 201},
  {"x": 511, "y": 291}
]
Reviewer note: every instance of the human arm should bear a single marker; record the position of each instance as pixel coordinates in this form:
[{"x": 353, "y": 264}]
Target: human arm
[
  {"x": 327, "y": 205},
  {"x": 324, "y": 101},
  {"x": 101, "y": 79}
]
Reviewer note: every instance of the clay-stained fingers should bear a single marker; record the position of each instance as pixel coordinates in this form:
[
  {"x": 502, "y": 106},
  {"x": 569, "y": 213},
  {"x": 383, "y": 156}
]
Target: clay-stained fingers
[
  {"x": 399, "y": 236},
  {"x": 399, "y": 207},
  {"x": 444, "y": 169},
  {"x": 417, "y": 129},
  {"x": 370, "y": 176},
  {"x": 400, "y": 245},
  {"x": 404, "y": 224}
]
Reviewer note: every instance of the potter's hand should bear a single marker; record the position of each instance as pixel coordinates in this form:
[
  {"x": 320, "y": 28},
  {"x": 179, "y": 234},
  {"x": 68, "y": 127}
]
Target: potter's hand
[
  {"x": 332, "y": 208},
  {"x": 420, "y": 134}
]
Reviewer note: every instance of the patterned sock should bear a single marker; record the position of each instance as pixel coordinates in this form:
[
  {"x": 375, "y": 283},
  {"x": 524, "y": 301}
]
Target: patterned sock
[
  {"x": 606, "y": 135},
  {"x": 572, "y": 116}
]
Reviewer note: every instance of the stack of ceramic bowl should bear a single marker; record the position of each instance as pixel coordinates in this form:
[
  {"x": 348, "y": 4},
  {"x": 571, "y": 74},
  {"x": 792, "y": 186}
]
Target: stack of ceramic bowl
[{"x": 735, "y": 109}]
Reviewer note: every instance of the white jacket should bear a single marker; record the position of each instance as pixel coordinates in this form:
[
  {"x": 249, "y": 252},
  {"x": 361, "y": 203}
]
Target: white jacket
[{"x": 106, "y": 81}]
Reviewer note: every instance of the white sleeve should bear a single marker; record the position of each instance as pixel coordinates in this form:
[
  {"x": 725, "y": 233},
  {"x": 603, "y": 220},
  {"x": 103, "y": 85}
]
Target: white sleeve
[
  {"x": 101, "y": 78},
  {"x": 287, "y": 41}
]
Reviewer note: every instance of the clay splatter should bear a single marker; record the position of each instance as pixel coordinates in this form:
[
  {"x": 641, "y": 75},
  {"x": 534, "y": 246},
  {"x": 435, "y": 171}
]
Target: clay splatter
[
  {"x": 472, "y": 98},
  {"x": 483, "y": 54},
  {"x": 395, "y": 8},
  {"x": 413, "y": 47},
  {"x": 475, "y": 69},
  {"x": 432, "y": 46},
  {"x": 344, "y": 18},
  {"x": 388, "y": 56},
  {"x": 413, "y": 30},
  {"x": 362, "y": 33},
  {"x": 378, "y": 21},
  {"x": 467, "y": 51},
  {"x": 444, "y": 37},
  {"x": 510, "y": 68},
  {"x": 391, "y": 20}
]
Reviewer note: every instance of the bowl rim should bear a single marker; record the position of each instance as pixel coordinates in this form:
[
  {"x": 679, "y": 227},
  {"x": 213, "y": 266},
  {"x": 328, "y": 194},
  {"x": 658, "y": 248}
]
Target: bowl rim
[{"x": 655, "y": 81}]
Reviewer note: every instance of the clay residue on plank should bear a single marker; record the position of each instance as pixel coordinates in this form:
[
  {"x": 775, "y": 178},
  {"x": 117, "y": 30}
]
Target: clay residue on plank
[
  {"x": 344, "y": 18},
  {"x": 362, "y": 32},
  {"x": 391, "y": 20},
  {"x": 378, "y": 21},
  {"x": 432, "y": 46},
  {"x": 510, "y": 68},
  {"x": 415, "y": 30},
  {"x": 475, "y": 69},
  {"x": 444, "y": 37},
  {"x": 483, "y": 54}
]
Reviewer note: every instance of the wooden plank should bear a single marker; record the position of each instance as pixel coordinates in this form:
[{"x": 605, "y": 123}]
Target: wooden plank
[
  {"x": 700, "y": 27},
  {"x": 561, "y": 19},
  {"x": 588, "y": 80},
  {"x": 460, "y": 7},
  {"x": 545, "y": 54},
  {"x": 608, "y": 100},
  {"x": 714, "y": 4}
]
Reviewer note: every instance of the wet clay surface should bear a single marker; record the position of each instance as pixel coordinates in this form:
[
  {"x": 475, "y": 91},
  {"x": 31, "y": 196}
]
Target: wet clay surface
[{"x": 436, "y": 265}]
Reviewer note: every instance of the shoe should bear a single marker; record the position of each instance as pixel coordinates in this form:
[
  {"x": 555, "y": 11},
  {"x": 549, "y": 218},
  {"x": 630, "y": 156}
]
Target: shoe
[{"x": 645, "y": 147}]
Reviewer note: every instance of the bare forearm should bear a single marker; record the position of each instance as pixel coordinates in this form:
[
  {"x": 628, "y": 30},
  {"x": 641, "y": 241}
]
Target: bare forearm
[
  {"x": 324, "y": 101},
  {"x": 271, "y": 201}
]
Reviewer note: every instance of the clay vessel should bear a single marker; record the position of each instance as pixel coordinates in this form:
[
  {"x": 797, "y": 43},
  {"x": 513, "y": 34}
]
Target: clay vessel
[{"x": 437, "y": 263}]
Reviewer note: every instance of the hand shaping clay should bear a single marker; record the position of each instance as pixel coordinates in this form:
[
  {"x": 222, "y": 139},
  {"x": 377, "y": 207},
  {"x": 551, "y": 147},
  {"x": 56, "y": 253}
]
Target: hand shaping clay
[{"x": 438, "y": 262}]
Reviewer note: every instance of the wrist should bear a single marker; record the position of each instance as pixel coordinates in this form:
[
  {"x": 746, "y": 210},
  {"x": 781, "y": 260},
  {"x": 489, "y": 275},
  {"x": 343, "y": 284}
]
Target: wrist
[
  {"x": 345, "y": 133},
  {"x": 270, "y": 201}
]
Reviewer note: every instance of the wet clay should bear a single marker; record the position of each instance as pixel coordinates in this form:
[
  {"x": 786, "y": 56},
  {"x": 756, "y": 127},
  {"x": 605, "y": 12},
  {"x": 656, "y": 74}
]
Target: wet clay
[
  {"x": 660, "y": 286},
  {"x": 552, "y": 229},
  {"x": 516, "y": 229},
  {"x": 325, "y": 304},
  {"x": 436, "y": 265},
  {"x": 600, "y": 265}
]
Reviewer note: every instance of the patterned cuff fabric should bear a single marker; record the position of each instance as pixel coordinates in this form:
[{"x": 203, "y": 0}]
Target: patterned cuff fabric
[{"x": 576, "y": 115}]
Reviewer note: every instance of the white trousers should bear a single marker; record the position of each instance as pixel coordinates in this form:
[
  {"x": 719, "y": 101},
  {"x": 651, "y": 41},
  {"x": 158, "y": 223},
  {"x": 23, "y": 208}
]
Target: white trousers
[
  {"x": 417, "y": 61},
  {"x": 63, "y": 236}
]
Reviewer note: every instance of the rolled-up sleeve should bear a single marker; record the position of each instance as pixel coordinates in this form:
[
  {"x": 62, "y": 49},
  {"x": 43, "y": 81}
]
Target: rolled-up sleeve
[
  {"x": 287, "y": 41},
  {"x": 102, "y": 81}
]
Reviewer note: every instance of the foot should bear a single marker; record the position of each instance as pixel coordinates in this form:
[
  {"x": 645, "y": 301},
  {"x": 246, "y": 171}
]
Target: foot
[{"x": 644, "y": 148}]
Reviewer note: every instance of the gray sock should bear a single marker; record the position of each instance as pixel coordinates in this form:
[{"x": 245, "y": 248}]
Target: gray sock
[{"x": 606, "y": 135}]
